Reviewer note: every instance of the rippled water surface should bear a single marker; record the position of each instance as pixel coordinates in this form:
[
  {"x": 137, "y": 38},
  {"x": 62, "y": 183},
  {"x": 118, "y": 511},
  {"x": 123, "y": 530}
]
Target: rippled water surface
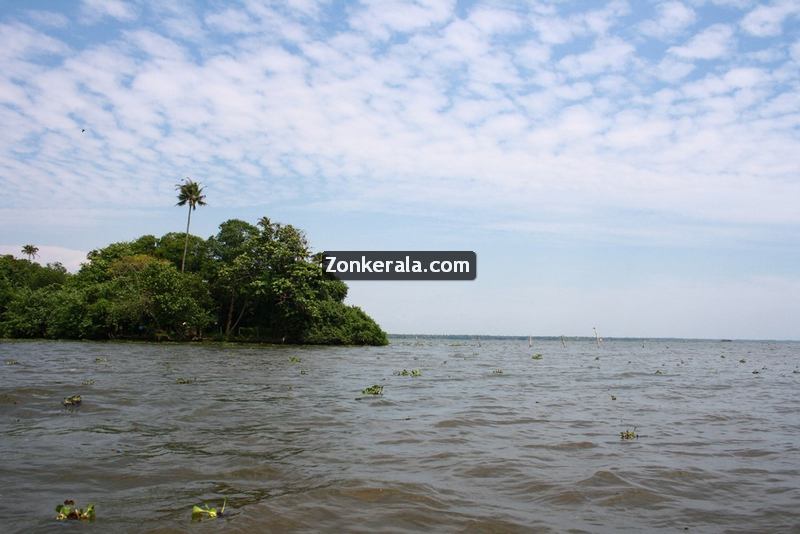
[{"x": 487, "y": 439}]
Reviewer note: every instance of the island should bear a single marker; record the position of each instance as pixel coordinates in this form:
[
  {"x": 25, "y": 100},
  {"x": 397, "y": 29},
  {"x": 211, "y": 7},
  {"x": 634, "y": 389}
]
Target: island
[{"x": 252, "y": 283}]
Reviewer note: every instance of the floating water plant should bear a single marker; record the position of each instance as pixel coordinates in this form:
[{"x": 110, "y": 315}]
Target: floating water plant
[
  {"x": 497, "y": 372},
  {"x": 12, "y": 361},
  {"x": 294, "y": 359},
  {"x": 373, "y": 390},
  {"x": 303, "y": 372},
  {"x": 613, "y": 397},
  {"x": 72, "y": 402},
  {"x": 629, "y": 434},
  {"x": 88, "y": 382},
  {"x": 181, "y": 380},
  {"x": 659, "y": 372},
  {"x": 205, "y": 512},
  {"x": 536, "y": 357},
  {"x": 406, "y": 372},
  {"x": 68, "y": 510}
]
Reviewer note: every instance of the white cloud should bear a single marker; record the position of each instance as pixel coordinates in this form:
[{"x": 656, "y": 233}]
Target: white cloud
[
  {"x": 672, "y": 18},
  {"x": 714, "y": 42},
  {"x": 767, "y": 20},
  {"x": 21, "y": 42},
  {"x": 610, "y": 54},
  {"x": 94, "y": 10},
  {"x": 795, "y": 51},
  {"x": 671, "y": 70},
  {"x": 232, "y": 20},
  {"x": 381, "y": 18}
]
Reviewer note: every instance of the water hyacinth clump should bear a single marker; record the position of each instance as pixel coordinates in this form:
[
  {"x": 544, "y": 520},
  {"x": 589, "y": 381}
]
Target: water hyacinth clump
[
  {"x": 406, "y": 372},
  {"x": 181, "y": 380},
  {"x": 373, "y": 390},
  {"x": 629, "y": 434},
  {"x": 536, "y": 356},
  {"x": 73, "y": 401},
  {"x": 206, "y": 512},
  {"x": 68, "y": 510}
]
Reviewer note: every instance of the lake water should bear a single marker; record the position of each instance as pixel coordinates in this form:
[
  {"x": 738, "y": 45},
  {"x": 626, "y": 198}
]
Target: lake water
[{"x": 486, "y": 440}]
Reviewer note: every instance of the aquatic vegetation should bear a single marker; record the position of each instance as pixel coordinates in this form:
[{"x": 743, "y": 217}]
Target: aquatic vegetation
[
  {"x": 101, "y": 359},
  {"x": 68, "y": 510},
  {"x": 88, "y": 382},
  {"x": 373, "y": 390},
  {"x": 613, "y": 397},
  {"x": 181, "y": 380},
  {"x": 303, "y": 371},
  {"x": 659, "y": 372},
  {"x": 294, "y": 359},
  {"x": 629, "y": 434},
  {"x": 406, "y": 372},
  {"x": 12, "y": 361},
  {"x": 536, "y": 356},
  {"x": 206, "y": 512},
  {"x": 497, "y": 372},
  {"x": 73, "y": 401}
]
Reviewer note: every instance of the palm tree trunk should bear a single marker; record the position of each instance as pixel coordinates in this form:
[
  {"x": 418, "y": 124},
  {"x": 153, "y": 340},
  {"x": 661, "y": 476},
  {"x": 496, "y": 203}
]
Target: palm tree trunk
[{"x": 186, "y": 242}]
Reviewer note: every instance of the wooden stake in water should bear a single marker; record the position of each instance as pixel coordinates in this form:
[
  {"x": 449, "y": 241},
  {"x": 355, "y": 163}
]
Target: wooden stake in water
[
  {"x": 563, "y": 343},
  {"x": 530, "y": 341}
]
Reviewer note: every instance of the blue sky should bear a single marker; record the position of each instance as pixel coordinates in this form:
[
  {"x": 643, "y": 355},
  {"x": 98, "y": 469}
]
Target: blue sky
[{"x": 633, "y": 166}]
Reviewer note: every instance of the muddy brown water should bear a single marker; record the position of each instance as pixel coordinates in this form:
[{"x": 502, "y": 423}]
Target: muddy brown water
[{"x": 462, "y": 448}]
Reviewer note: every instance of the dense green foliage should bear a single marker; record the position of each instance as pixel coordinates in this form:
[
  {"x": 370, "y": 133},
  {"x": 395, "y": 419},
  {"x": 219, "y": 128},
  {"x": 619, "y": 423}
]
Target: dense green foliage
[{"x": 252, "y": 283}]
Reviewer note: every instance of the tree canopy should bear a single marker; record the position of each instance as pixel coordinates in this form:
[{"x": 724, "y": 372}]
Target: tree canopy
[{"x": 246, "y": 283}]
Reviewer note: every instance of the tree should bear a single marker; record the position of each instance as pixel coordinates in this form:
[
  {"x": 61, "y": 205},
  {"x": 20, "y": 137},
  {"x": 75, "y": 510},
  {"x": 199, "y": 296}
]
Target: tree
[
  {"x": 31, "y": 251},
  {"x": 191, "y": 193}
]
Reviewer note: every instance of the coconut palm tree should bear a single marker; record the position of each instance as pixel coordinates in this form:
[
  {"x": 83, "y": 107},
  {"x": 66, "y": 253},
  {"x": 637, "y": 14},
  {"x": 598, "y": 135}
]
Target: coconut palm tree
[
  {"x": 31, "y": 251},
  {"x": 191, "y": 193}
]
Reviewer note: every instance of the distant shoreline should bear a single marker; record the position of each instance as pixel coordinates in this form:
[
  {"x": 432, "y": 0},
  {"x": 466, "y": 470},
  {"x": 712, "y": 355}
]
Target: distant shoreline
[
  {"x": 391, "y": 337},
  {"x": 575, "y": 338}
]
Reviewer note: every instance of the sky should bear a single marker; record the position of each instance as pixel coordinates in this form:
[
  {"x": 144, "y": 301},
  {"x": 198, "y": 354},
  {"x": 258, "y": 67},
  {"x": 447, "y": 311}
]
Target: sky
[{"x": 630, "y": 166}]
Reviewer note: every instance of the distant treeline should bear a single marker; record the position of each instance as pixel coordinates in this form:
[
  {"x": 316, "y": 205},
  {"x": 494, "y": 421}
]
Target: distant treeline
[{"x": 246, "y": 283}]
